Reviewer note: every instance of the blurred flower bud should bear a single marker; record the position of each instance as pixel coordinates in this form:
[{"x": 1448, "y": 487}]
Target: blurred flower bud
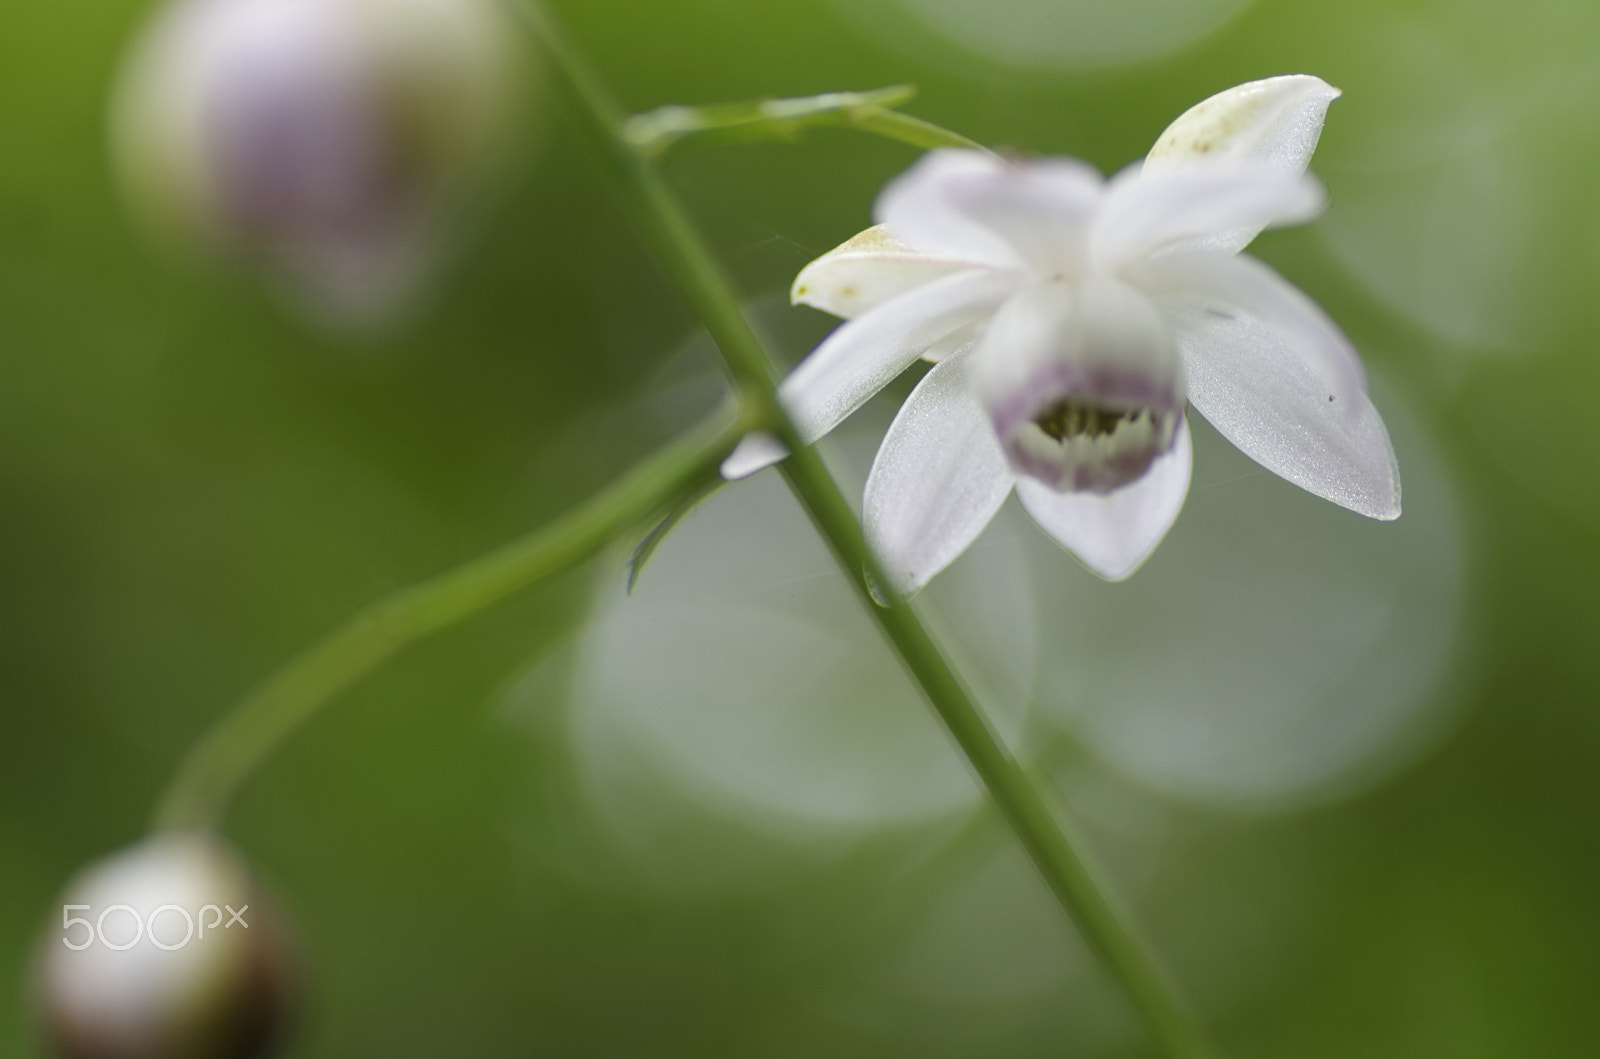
[
  {"x": 165, "y": 950},
  {"x": 328, "y": 139}
]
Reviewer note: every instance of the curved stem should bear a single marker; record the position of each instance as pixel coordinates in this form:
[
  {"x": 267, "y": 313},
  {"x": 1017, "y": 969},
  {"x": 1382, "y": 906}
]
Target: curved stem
[
  {"x": 1103, "y": 923},
  {"x": 784, "y": 119},
  {"x": 204, "y": 784}
]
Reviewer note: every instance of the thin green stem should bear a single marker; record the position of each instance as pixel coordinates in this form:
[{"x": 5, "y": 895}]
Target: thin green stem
[
  {"x": 1103, "y": 923},
  {"x": 206, "y": 781},
  {"x": 785, "y": 119},
  {"x": 909, "y": 130}
]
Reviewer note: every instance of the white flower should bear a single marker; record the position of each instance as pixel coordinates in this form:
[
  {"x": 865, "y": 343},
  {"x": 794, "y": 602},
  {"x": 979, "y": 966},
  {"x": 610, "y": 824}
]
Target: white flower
[{"x": 1071, "y": 320}]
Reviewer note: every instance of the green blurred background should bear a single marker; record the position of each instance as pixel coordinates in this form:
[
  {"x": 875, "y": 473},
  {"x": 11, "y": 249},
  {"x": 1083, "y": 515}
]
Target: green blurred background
[{"x": 194, "y": 483}]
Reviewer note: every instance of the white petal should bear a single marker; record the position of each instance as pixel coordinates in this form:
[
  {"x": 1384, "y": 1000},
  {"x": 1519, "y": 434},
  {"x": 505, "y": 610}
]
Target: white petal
[
  {"x": 1144, "y": 213},
  {"x": 1258, "y": 387},
  {"x": 1042, "y": 209},
  {"x": 756, "y": 451},
  {"x": 862, "y": 356},
  {"x": 961, "y": 340},
  {"x": 1113, "y": 534},
  {"x": 1034, "y": 213},
  {"x": 1228, "y": 285},
  {"x": 918, "y": 208},
  {"x": 1274, "y": 123},
  {"x": 939, "y": 478},
  {"x": 867, "y": 271}
]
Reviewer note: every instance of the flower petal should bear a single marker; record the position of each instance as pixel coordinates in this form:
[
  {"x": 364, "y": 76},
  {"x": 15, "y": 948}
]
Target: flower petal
[
  {"x": 1146, "y": 212},
  {"x": 1274, "y": 123},
  {"x": 860, "y": 357},
  {"x": 1262, "y": 390},
  {"x": 937, "y": 481},
  {"x": 961, "y": 340},
  {"x": 756, "y": 451},
  {"x": 918, "y": 208},
  {"x": 1227, "y": 285},
  {"x": 1113, "y": 534},
  {"x": 867, "y": 271},
  {"x": 1042, "y": 209},
  {"x": 1034, "y": 213}
]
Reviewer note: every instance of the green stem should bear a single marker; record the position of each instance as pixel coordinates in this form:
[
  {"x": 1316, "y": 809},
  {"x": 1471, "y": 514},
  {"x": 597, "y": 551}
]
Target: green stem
[
  {"x": 784, "y": 119},
  {"x": 1103, "y": 923},
  {"x": 204, "y": 784}
]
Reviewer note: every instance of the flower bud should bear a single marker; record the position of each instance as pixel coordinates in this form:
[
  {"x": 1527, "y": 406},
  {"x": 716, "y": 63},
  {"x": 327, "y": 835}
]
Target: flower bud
[
  {"x": 165, "y": 950},
  {"x": 330, "y": 140}
]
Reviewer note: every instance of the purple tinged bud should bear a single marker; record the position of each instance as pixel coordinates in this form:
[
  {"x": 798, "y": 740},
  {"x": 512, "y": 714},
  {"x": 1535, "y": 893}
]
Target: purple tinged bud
[{"x": 332, "y": 141}]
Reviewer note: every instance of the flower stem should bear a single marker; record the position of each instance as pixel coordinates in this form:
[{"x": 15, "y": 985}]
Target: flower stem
[
  {"x": 784, "y": 119},
  {"x": 205, "y": 782},
  {"x": 1103, "y": 923}
]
